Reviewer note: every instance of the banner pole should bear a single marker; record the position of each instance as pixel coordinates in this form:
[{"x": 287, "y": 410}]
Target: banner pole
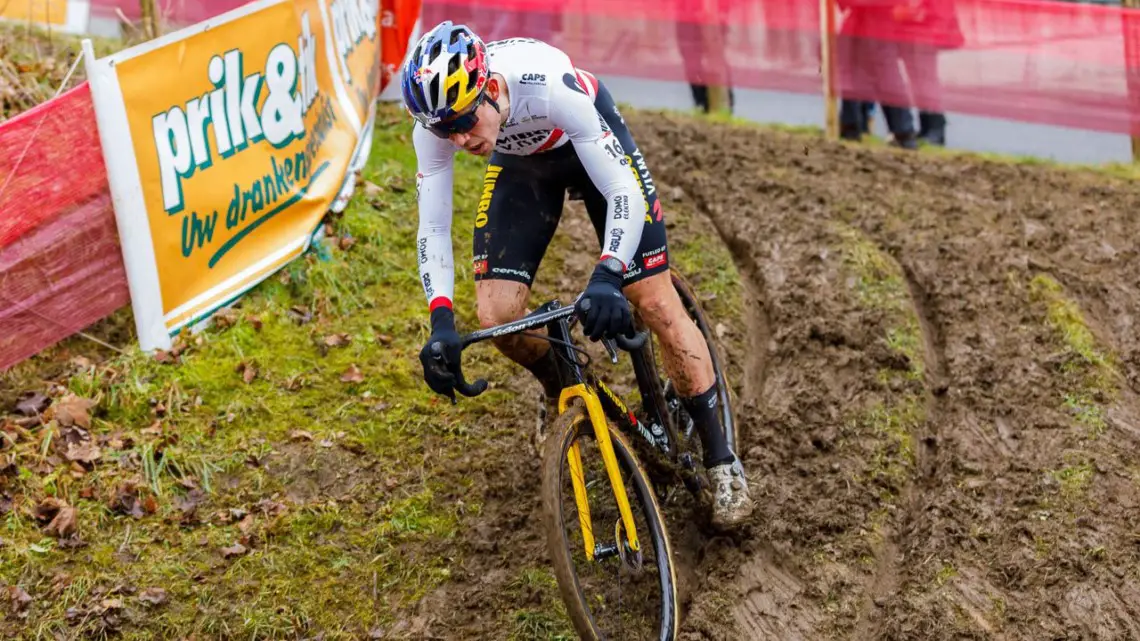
[
  {"x": 827, "y": 67},
  {"x": 1130, "y": 25}
]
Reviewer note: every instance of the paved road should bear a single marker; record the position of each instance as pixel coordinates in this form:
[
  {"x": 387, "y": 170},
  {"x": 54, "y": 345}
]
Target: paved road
[{"x": 967, "y": 132}]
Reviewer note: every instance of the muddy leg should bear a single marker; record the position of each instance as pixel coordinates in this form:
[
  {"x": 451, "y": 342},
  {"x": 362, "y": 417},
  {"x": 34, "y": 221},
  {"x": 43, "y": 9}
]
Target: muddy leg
[
  {"x": 685, "y": 354},
  {"x": 686, "y": 359}
]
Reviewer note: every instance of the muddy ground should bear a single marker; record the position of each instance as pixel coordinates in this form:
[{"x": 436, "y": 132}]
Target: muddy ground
[
  {"x": 937, "y": 390},
  {"x": 935, "y": 372}
]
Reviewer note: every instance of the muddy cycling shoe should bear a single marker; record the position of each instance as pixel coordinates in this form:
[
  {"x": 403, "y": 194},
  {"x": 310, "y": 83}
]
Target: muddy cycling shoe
[{"x": 731, "y": 503}]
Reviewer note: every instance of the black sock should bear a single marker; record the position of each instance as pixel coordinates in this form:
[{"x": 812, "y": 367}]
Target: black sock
[
  {"x": 547, "y": 371},
  {"x": 703, "y": 408}
]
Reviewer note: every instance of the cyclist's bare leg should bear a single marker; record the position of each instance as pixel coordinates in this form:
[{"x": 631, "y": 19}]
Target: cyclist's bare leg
[
  {"x": 687, "y": 361},
  {"x": 685, "y": 355},
  {"x": 503, "y": 301},
  {"x": 500, "y": 301}
]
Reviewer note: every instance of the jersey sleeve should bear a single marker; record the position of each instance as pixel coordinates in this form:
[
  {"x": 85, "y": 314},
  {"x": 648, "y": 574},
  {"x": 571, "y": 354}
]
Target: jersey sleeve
[
  {"x": 435, "y": 165},
  {"x": 607, "y": 165}
]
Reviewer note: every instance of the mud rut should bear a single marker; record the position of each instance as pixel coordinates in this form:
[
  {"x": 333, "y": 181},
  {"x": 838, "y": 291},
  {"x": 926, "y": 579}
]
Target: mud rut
[{"x": 993, "y": 493}]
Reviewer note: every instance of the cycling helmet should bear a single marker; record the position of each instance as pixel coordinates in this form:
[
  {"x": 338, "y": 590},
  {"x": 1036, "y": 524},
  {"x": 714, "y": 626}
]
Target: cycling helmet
[{"x": 445, "y": 76}]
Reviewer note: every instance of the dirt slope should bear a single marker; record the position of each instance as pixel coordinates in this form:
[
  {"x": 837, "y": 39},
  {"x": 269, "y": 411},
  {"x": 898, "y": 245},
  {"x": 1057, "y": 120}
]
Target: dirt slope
[{"x": 943, "y": 420}]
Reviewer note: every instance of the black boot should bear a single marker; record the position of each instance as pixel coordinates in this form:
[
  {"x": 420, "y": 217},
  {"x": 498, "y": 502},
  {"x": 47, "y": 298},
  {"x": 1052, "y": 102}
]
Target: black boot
[{"x": 932, "y": 128}]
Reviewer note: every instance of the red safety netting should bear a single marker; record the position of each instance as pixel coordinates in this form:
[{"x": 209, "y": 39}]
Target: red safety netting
[
  {"x": 61, "y": 268},
  {"x": 1034, "y": 60},
  {"x": 173, "y": 12}
]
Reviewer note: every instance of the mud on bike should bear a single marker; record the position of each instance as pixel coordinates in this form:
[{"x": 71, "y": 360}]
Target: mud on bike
[{"x": 611, "y": 555}]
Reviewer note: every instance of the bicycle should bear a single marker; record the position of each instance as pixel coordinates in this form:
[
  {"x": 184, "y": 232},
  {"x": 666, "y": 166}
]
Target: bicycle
[{"x": 662, "y": 437}]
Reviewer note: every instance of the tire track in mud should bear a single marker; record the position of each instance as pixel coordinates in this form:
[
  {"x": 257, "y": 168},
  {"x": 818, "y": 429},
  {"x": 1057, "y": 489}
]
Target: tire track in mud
[
  {"x": 755, "y": 314},
  {"x": 885, "y": 581}
]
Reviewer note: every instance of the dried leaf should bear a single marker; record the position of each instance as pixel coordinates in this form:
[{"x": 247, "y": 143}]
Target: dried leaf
[
  {"x": 255, "y": 322},
  {"x": 271, "y": 508},
  {"x": 82, "y": 362},
  {"x": 47, "y": 509},
  {"x": 153, "y": 596},
  {"x": 110, "y": 605},
  {"x": 224, "y": 318},
  {"x": 352, "y": 375},
  {"x": 246, "y": 524},
  {"x": 188, "y": 505},
  {"x": 60, "y": 582},
  {"x": 149, "y": 505},
  {"x": 64, "y": 524},
  {"x": 337, "y": 340},
  {"x": 326, "y": 443},
  {"x": 32, "y": 403},
  {"x": 346, "y": 242},
  {"x": 248, "y": 371},
  {"x": 126, "y": 501},
  {"x": 164, "y": 357},
  {"x": 396, "y": 184},
  {"x": 300, "y": 435},
  {"x": 300, "y": 315},
  {"x": 155, "y": 428},
  {"x": 721, "y": 330},
  {"x": 19, "y": 598},
  {"x": 73, "y": 410},
  {"x": 84, "y": 452},
  {"x": 384, "y": 339},
  {"x": 372, "y": 190},
  {"x": 237, "y": 549}
]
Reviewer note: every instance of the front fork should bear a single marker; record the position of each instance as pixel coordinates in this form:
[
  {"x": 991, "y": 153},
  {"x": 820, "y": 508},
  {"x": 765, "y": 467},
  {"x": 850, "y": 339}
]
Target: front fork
[{"x": 597, "y": 418}]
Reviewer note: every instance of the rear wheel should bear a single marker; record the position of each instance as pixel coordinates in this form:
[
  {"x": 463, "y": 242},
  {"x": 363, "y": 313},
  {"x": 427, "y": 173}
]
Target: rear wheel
[{"x": 621, "y": 593}]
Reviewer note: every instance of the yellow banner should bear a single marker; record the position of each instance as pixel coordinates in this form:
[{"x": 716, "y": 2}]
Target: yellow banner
[
  {"x": 53, "y": 12},
  {"x": 242, "y": 133}
]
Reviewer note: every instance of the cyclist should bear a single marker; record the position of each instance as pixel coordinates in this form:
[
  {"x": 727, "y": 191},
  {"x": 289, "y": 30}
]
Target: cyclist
[{"x": 548, "y": 129}]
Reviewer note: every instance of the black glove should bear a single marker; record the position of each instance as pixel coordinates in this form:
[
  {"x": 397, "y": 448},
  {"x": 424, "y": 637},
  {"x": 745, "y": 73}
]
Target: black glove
[
  {"x": 602, "y": 307},
  {"x": 442, "y": 376}
]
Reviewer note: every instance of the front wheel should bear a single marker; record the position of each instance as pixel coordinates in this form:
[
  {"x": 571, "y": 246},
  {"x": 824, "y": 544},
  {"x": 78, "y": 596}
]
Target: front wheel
[{"x": 621, "y": 593}]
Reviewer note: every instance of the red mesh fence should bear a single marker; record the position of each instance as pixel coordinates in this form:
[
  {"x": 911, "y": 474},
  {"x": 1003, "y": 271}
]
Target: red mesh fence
[
  {"x": 176, "y": 13},
  {"x": 61, "y": 268},
  {"x": 1037, "y": 61}
]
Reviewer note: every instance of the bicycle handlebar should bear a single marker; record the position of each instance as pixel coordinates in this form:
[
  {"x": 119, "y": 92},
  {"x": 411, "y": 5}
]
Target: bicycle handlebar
[
  {"x": 530, "y": 321},
  {"x": 469, "y": 390}
]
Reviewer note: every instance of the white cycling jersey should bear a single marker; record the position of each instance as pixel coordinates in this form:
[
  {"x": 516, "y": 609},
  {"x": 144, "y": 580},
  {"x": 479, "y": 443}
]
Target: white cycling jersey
[{"x": 551, "y": 104}]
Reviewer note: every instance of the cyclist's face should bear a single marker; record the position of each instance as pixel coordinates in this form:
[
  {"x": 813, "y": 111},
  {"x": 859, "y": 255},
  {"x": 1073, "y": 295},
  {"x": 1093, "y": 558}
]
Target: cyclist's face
[{"x": 481, "y": 139}]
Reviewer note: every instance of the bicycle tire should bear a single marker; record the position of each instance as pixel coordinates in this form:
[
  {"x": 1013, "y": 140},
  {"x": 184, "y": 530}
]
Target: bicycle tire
[{"x": 570, "y": 426}]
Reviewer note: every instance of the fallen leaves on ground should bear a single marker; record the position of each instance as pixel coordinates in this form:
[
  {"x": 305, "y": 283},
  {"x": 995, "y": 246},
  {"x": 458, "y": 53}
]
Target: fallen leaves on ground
[
  {"x": 65, "y": 523},
  {"x": 300, "y": 315},
  {"x": 74, "y": 410},
  {"x": 237, "y": 549},
  {"x": 19, "y": 598},
  {"x": 352, "y": 375},
  {"x": 32, "y": 403},
  {"x": 83, "y": 452},
  {"x": 153, "y": 596},
  {"x": 248, "y": 371},
  {"x": 300, "y": 435},
  {"x": 337, "y": 340}
]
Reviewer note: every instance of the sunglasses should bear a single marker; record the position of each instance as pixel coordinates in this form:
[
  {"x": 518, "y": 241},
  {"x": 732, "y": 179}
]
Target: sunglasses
[{"x": 459, "y": 124}]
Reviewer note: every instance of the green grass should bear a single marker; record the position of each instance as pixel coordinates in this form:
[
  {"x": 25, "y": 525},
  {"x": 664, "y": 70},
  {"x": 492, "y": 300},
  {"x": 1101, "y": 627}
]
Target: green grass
[
  {"x": 348, "y": 528},
  {"x": 890, "y": 422},
  {"x": 1090, "y": 371}
]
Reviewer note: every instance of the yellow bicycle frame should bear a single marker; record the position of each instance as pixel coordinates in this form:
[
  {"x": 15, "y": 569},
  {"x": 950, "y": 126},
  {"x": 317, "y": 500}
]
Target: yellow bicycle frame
[{"x": 577, "y": 476}]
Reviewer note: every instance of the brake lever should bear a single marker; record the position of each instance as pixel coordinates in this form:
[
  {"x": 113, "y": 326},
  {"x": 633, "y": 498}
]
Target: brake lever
[
  {"x": 611, "y": 348},
  {"x": 470, "y": 390}
]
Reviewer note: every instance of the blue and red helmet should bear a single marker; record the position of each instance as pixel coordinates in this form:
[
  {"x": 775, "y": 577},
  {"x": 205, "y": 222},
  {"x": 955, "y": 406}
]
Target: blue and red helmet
[{"x": 445, "y": 76}]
